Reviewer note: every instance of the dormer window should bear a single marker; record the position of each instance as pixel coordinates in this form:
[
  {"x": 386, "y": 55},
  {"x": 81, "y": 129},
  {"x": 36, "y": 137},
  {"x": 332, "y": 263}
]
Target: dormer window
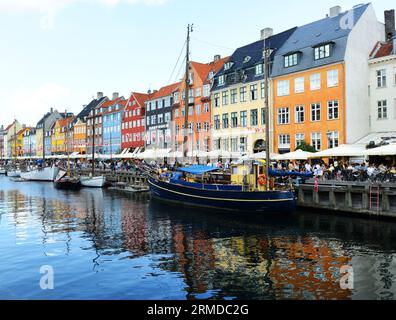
[
  {"x": 322, "y": 51},
  {"x": 228, "y": 65},
  {"x": 211, "y": 75},
  {"x": 259, "y": 69},
  {"x": 221, "y": 80},
  {"x": 247, "y": 59},
  {"x": 291, "y": 60}
]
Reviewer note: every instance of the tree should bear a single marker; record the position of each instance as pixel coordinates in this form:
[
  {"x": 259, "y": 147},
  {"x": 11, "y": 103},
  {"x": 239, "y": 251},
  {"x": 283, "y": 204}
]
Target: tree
[{"x": 305, "y": 147}]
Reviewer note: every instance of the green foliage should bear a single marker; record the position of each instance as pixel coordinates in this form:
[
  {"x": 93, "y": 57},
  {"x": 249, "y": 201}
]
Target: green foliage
[{"x": 305, "y": 147}]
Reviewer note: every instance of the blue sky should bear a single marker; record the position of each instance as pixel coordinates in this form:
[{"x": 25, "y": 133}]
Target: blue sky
[{"x": 59, "y": 53}]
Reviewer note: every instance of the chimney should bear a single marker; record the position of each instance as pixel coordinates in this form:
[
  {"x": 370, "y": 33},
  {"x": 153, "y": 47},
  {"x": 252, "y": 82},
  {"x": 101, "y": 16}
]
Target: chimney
[
  {"x": 116, "y": 95},
  {"x": 51, "y": 110},
  {"x": 389, "y": 24},
  {"x": 217, "y": 57},
  {"x": 100, "y": 95},
  {"x": 149, "y": 91},
  {"x": 266, "y": 33},
  {"x": 335, "y": 11}
]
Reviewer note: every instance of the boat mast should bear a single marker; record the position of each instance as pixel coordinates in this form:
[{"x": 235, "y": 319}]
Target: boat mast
[
  {"x": 93, "y": 142},
  {"x": 15, "y": 142},
  {"x": 267, "y": 118},
  {"x": 187, "y": 90},
  {"x": 67, "y": 145},
  {"x": 44, "y": 133}
]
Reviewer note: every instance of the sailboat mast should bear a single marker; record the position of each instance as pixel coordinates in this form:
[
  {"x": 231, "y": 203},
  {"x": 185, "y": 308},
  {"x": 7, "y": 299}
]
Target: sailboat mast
[
  {"x": 187, "y": 90},
  {"x": 15, "y": 141},
  {"x": 93, "y": 142},
  {"x": 44, "y": 133},
  {"x": 267, "y": 118}
]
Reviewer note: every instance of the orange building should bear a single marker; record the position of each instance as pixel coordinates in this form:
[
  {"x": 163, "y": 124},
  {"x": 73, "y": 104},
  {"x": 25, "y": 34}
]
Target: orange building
[
  {"x": 310, "y": 107},
  {"x": 80, "y": 137},
  {"x": 199, "y": 113}
]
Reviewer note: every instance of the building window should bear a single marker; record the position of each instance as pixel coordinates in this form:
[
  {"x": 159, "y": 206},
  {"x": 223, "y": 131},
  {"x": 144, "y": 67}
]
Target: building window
[
  {"x": 217, "y": 144},
  {"x": 242, "y": 144},
  {"x": 382, "y": 109},
  {"x": 206, "y": 107},
  {"x": 284, "y": 141},
  {"x": 234, "y": 144},
  {"x": 234, "y": 119},
  {"x": 253, "y": 92},
  {"x": 177, "y": 113},
  {"x": 176, "y": 97},
  {"x": 199, "y": 126},
  {"x": 262, "y": 90},
  {"x": 394, "y": 75},
  {"x": 332, "y": 110},
  {"x": 234, "y": 96},
  {"x": 300, "y": 139},
  {"x": 291, "y": 60},
  {"x": 206, "y": 126},
  {"x": 217, "y": 99},
  {"x": 259, "y": 69},
  {"x": 381, "y": 78},
  {"x": 243, "y": 94},
  {"x": 254, "y": 117},
  {"x": 315, "y": 81},
  {"x": 322, "y": 52},
  {"x": 334, "y": 139},
  {"x": 217, "y": 122},
  {"x": 263, "y": 116},
  {"x": 225, "y": 144},
  {"x": 225, "y": 121},
  {"x": 190, "y": 111},
  {"x": 206, "y": 90},
  {"x": 221, "y": 80},
  {"x": 316, "y": 141},
  {"x": 198, "y": 109},
  {"x": 315, "y": 112},
  {"x": 243, "y": 118},
  {"x": 198, "y": 92},
  {"x": 299, "y": 85},
  {"x": 283, "y": 115},
  {"x": 177, "y": 129},
  {"x": 300, "y": 114},
  {"x": 283, "y": 88},
  {"x": 228, "y": 65},
  {"x": 332, "y": 78},
  {"x": 225, "y": 97}
]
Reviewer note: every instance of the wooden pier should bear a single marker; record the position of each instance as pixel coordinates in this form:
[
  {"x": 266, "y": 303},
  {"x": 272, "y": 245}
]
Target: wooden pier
[
  {"x": 351, "y": 197},
  {"x": 129, "y": 178}
]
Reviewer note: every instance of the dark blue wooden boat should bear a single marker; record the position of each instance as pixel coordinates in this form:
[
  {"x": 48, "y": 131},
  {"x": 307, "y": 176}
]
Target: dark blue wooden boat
[{"x": 222, "y": 197}]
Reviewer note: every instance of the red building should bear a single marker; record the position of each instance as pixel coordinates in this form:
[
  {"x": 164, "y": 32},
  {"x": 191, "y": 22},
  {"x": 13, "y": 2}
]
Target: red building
[{"x": 133, "y": 122}]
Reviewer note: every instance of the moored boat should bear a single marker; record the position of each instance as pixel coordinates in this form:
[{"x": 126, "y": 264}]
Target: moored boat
[
  {"x": 14, "y": 173},
  {"x": 65, "y": 182},
  {"x": 201, "y": 186},
  {"x": 93, "y": 182},
  {"x": 2, "y": 170},
  {"x": 41, "y": 174}
]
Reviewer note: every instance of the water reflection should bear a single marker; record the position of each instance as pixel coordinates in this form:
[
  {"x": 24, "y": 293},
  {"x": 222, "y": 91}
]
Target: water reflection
[{"x": 133, "y": 247}]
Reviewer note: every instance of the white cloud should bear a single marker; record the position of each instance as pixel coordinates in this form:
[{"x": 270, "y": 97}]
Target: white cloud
[
  {"x": 27, "y": 104},
  {"x": 51, "y": 7}
]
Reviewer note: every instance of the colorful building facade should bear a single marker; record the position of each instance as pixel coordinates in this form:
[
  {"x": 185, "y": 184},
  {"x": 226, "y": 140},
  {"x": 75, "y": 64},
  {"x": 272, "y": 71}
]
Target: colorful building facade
[
  {"x": 159, "y": 117},
  {"x": 238, "y": 96},
  {"x": 60, "y": 136},
  {"x": 201, "y": 77},
  {"x": 29, "y": 142},
  {"x": 134, "y": 122},
  {"x": 320, "y": 79},
  {"x": 94, "y": 124},
  {"x": 113, "y": 111}
]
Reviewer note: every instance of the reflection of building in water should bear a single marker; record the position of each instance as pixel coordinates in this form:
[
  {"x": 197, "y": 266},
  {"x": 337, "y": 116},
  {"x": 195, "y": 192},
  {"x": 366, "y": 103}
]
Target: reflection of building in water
[{"x": 308, "y": 268}]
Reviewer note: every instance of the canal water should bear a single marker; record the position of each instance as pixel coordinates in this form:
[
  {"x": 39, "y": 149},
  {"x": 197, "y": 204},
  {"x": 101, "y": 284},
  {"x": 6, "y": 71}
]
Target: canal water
[{"x": 98, "y": 244}]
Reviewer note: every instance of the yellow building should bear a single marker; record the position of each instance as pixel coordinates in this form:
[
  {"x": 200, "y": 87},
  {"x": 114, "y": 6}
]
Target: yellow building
[
  {"x": 80, "y": 137},
  {"x": 238, "y": 97},
  {"x": 61, "y": 138}
]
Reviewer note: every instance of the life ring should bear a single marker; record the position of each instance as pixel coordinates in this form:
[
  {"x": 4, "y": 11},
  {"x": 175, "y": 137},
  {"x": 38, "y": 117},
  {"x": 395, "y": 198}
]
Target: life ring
[{"x": 262, "y": 180}]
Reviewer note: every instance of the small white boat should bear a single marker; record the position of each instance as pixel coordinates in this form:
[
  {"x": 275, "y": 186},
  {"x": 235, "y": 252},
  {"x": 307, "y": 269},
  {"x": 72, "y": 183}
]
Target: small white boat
[
  {"x": 41, "y": 174},
  {"x": 93, "y": 182},
  {"x": 2, "y": 171},
  {"x": 14, "y": 173}
]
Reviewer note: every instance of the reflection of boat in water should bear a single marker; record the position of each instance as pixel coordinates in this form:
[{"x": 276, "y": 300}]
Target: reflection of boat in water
[
  {"x": 93, "y": 182},
  {"x": 41, "y": 174},
  {"x": 244, "y": 189},
  {"x": 64, "y": 181}
]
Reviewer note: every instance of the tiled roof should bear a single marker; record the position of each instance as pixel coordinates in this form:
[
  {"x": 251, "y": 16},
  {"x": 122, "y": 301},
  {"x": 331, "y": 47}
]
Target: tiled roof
[
  {"x": 247, "y": 57},
  {"x": 203, "y": 69},
  {"x": 383, "y": 50},
  {"x": 93, "y": 104},
  {"x": 140, "y": 98},
  {"x": 164, "y": 91},
  {"x": 306, "y": 37}
]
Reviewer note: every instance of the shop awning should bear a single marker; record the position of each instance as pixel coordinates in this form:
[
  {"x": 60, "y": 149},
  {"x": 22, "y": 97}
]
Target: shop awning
[{"x": 197, "y": 169}]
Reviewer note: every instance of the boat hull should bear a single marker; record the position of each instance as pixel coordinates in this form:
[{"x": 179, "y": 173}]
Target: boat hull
[
  {"x": 46, "y": 174},
  {"x": 14, "y": 173},
  {"x": 67, "y": 185},
  {"x": 95, "y": 182},
  {"x": 2, "y": 171},
  {"x": 252, "y": 202}
]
